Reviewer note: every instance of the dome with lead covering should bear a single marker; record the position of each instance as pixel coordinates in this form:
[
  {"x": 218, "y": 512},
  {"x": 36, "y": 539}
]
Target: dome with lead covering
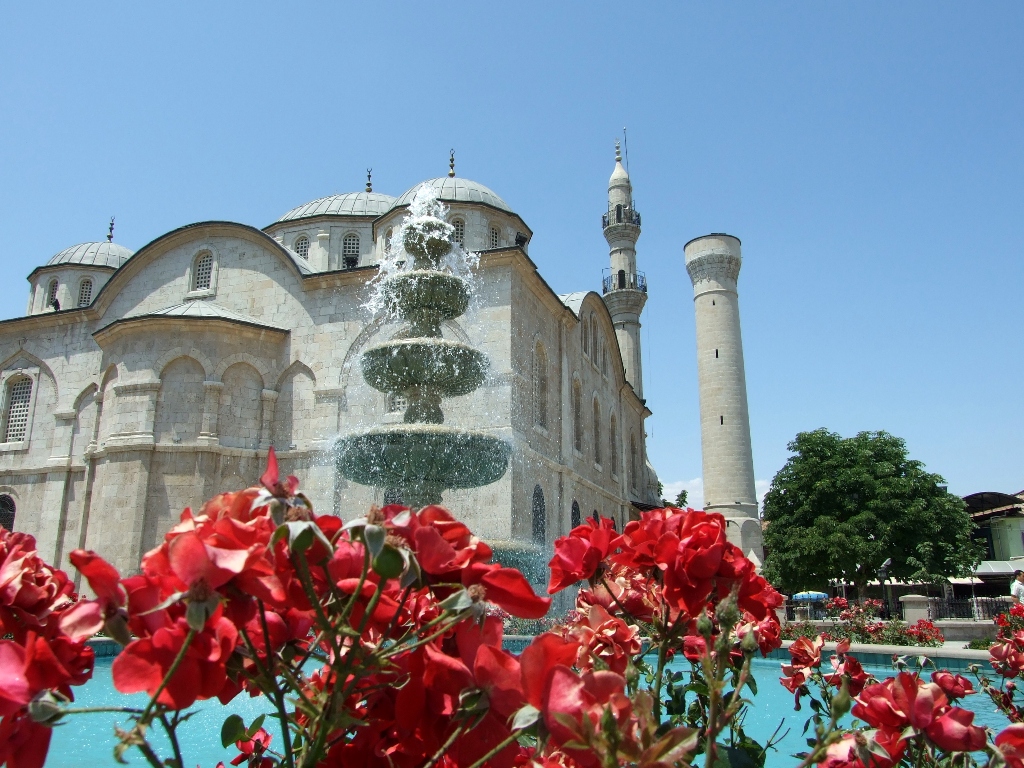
[
  {"x": 456, "y": 190},
  {"x": 102, "y": 254},
  {"x": 348, "y": 204}
]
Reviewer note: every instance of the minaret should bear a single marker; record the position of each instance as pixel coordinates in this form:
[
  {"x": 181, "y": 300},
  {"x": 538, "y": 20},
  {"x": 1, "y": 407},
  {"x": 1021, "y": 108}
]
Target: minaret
[
  {"x": 713, "y": 262},
  {"x": 625, "y": 289}
]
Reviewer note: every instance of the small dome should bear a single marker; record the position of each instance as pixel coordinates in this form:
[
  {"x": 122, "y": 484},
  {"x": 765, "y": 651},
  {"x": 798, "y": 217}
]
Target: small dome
[
  {"x": 348, "y": 204},
  {"x": 455, "y": 190},
  {"x": 619, "y": 176},
  {"x": 103, "y": 254}
]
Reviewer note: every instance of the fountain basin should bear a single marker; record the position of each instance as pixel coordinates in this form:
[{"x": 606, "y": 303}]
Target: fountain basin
[
  {"x": 426, "y": 296},
  {"x": 422, "y": 460},
  {"x": 449, "y": 368}
]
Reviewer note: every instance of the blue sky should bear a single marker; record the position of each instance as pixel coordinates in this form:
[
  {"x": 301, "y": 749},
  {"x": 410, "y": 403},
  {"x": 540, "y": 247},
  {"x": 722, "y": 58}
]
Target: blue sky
[{"x": 868, "y": 155}]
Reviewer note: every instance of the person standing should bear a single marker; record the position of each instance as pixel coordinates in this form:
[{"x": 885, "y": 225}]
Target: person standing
[{"x": 1017, "y": 587}]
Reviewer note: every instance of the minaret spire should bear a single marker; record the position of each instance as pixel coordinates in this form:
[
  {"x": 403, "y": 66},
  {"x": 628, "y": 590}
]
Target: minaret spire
[
  {"x": 110, "y": 231},
  {"x": 369, "y": 180},
  {"x": 451, "y": 165},
  {"x": 625, "y": 288}
]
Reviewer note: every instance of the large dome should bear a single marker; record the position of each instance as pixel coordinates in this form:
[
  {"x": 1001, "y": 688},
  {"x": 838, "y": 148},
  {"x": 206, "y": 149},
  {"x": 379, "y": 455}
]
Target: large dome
[
  {"x": 348, "y": 204},
  {"x": 103, "y": 254},
  {"x": 455, "y": 190}
]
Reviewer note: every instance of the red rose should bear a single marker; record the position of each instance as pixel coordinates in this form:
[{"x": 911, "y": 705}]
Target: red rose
[
  {"x": 954, "y": 686},
  {"x": 1010, "y": 742}
]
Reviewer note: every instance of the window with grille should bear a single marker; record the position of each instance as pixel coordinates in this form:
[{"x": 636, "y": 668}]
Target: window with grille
[
  {"x": 632, "y": 461},
  {"x": 387, "y": 240},
  {"x": 51, "y": 293},
  {"x": 19, "y": 394},
  {"x": 7, "y": 510},
  {"x": 203, "y": 273},
  {"x": 586, "y": 338},
  {"x": 613, "y": 444},
  {"x": 495, "y": 237},
  {"x": 350, "y": 251},
  {"x": 302, "y": 247},
  {"x": 397, "y": 403},
  {"x": 85, "y": 293},
  {"x": 577, "y": 416},
  {"x": 460, "y": 231},
  {"x": 540, "y": 362}
]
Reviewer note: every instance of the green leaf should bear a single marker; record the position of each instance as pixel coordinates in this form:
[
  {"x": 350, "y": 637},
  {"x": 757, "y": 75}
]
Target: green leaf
[
  {"x": 389, "y": 564},
  {"x": 253, "y": 729},
  {"x": 525, "y": 717},
  {"x": 374, "y": 537},
  {"x": 233, "y": 730}
]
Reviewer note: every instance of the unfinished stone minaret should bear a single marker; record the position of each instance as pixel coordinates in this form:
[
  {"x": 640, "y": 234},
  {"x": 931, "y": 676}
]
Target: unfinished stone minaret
[
  {"x": 713, "y": 262},
  {"x": 625, "y": 289}
]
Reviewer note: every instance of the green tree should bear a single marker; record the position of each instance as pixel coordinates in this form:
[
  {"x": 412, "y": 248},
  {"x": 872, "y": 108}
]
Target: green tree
[
  {"x": 841, "y": 506},
  {"x": 679, "y": 502}
]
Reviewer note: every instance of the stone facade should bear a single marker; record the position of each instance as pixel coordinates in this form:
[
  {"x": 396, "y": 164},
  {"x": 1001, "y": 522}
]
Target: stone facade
[{"x": 217, "y": 340}]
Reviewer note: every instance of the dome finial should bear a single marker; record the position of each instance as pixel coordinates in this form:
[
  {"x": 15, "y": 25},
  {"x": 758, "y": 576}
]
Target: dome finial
[
  {"x": 110, "y": 231},
  {"x": 369, "y": 180},
  {"x": 618, "y": 152},
  {"x": 451, "y": 165}
]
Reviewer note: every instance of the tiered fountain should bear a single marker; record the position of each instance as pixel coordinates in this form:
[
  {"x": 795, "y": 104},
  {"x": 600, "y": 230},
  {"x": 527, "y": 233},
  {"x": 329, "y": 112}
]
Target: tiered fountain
[{"x": 422, "y": 457}]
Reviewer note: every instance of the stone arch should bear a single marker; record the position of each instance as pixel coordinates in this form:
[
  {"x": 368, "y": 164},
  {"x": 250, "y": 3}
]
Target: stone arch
[
  {"x": 294, "y": 418},
  {"x": 354, "y": 348},
  {"x": 173, "y": 354},
  {"x": 83, "y": 431},
  {"x": 34, "y": 362},
  {"x": 107, "y": 404},
  {"x": 240, "y": 413},
  {"x": 243, "y": 357},
  {"x": 539, "y": 518},
  {"x": 180, "y": 401},
  {"x": 456, "y": 330},
  {"x": 597, "y": 429},
  {"x": 575, "y": 516}
]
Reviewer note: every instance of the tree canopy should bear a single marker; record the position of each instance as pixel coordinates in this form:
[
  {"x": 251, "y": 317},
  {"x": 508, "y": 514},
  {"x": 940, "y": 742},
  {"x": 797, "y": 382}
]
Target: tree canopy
[{"x": 841, "y": 506}]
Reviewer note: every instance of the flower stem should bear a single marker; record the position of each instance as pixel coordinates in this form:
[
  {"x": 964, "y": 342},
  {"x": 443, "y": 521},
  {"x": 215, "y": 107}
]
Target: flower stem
[
  {"x": 173, "y": 736},
  {"x": 278, "y": 696},
  {"x": 145, "y": 717}
]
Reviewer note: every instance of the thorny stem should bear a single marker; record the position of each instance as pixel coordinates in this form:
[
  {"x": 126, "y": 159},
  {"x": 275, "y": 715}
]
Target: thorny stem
[
  {"x": 444, "y": 747},
  {"x": 278, "y": 696},
  {"x": 90, "y": 710},
  {"x": 173, "y": 736},
  {"x": 307, "y": 585},
  {"x": 260, "y": 668},
  {"x": 511, "y": 738},
  {"x": 660, "y": 673}
]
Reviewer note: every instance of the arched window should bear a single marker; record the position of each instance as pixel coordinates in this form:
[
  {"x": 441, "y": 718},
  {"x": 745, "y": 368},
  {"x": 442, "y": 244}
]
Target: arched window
[
  {"x": 577, "y": 416},
  {"x": 495, "y": 237},
  {"x": 632, "y": 462},
  {"x": 202, "y": 274},
  {"x": 586, "y": 337},
  {"x": 350, "y": 250},
  {"x": 613, "y": 444},
  {"x": 576, "y": 519},
  {"x": 387, "y": 239},
  {"x": 51, "y": 294},
  {"x": 618, "y": 213},
  {"x": 85, "y": 293},
  {"x": 301, "y": 247},
  {"x": 597, "y": 432},
  {"x": 622, "y": 278},
  {"x": 539, "y": 521},
  {"x": 460, "y": 230},
  {"x": 7, "y": 510},
  {"x": 593, "y": 337},
  {"x": 540, "y": 379},
  {"x": 604, "y": 359},
  {"x": 19, "y": 394}
]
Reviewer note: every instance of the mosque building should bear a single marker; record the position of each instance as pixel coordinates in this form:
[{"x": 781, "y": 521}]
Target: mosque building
[{"x": 142, "y": 383}]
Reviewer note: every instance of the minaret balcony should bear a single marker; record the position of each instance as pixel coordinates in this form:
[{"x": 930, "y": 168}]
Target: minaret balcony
[
  {"x": 621, "y": 280},
  {"x": 620, "y": 214}
]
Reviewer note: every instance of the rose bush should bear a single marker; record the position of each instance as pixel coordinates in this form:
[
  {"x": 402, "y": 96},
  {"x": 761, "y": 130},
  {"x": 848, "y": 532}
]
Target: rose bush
[{"x": 379, "y": 642}]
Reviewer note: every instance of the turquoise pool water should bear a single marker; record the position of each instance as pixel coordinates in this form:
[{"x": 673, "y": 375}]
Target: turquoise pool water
[{"x": 88, "y": 740}]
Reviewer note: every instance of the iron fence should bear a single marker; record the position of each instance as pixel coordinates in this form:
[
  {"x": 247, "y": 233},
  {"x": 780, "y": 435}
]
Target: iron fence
[{"x": 973, "y": 609}]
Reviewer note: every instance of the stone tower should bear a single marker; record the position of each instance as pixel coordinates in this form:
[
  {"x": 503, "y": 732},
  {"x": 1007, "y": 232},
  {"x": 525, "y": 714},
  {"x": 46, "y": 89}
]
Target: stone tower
[
  {"x": 625, "y": 289},
  {"x": 713, "y": 263}
]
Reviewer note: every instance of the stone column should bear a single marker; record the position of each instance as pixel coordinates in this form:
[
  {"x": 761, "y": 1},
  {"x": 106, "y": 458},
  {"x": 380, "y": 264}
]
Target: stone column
[
  {"x": 323, "y": 241},
  {"x": 915, "y": 608},
  {"x": 51, "y": 516},
  {"x": 269, "y": 398},
  {"x": 211, "y": 409},
  {"x": 713, "y": 263}
]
